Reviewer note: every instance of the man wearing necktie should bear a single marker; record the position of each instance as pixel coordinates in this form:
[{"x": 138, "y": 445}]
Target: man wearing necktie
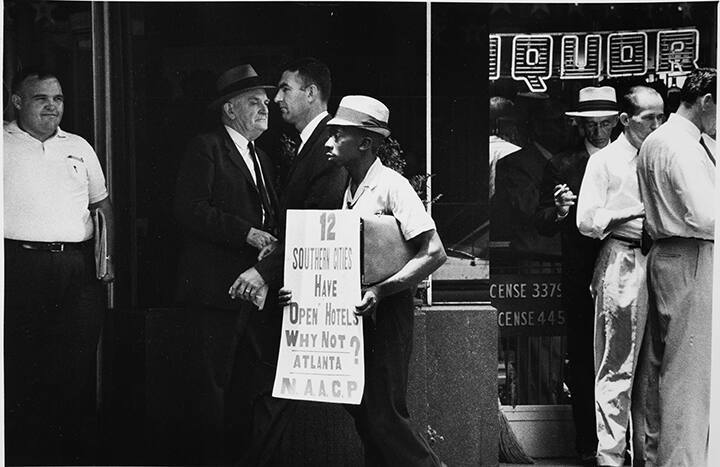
[
  {"x": 676, "y": 174},
  {"x": 609, "y": 208},
  {"x": 227, "y": 207}
]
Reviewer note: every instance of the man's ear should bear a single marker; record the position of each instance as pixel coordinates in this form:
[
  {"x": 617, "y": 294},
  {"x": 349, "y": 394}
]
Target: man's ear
[
  {"x": 366, "y": 143},
  {"x": 313, "y": 92},
  {"x": 706, "y": 101},
  {"x": 624, "y": 118},
  {"x": 228, "y": 110},
  {"x": 16, "y": 101}
]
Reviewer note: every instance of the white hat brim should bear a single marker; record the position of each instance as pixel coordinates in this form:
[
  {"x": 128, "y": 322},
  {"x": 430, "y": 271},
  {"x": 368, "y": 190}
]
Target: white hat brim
[
  {"x": 342, "y": 122},
  {"x": 592, "y": 113}
]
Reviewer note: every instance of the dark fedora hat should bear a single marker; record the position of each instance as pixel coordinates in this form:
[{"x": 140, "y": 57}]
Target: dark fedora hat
[{"x": 235, "y": 81}]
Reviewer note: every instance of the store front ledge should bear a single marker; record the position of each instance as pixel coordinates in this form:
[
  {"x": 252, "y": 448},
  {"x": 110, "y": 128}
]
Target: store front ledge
[{"x": 544, "y": 431}]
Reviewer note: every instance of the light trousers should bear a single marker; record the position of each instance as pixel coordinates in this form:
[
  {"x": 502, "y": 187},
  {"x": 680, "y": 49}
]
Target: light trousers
[
  {"x": 677, "y": 348},
  {"x": 619, "y": 291}
]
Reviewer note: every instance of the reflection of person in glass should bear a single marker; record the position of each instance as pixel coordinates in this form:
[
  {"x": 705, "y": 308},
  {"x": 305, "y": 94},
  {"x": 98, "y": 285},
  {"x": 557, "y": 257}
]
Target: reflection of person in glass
[
  {"x": 609, "y": 208},
  {"x": 676, "y": 172},
  {"x": 596, "y": 114}
]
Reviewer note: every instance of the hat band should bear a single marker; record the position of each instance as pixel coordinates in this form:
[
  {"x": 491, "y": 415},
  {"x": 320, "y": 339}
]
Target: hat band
[
  {"x": 596, "y": 105},
  {"x": 363, "y": 119},
  {"x": 241, "y": 85}
]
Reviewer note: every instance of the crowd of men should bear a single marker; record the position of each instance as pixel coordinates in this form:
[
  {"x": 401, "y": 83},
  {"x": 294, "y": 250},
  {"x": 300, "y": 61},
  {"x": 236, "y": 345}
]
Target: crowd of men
[
  {"x": 232, "y": 214},
  {"x": 636, "y": 222}
]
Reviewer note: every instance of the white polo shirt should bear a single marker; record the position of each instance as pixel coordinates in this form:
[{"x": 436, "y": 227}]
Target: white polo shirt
[
  {"x": 49, "y": 185},
  {"x": 384, "y": 191}
]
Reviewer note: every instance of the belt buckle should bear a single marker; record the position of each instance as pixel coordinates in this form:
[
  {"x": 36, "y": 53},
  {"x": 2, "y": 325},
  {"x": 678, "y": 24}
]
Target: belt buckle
[{"x": 56, "y": 247}]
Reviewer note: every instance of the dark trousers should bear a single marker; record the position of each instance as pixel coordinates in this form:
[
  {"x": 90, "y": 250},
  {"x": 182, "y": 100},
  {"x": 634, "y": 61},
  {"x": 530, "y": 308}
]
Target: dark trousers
[
  {"x": 382, "y": 419},
  {"x": 54, "y": 307},
  {"x": 580, "y": 312},
  {"x": 234, "y": 418}
]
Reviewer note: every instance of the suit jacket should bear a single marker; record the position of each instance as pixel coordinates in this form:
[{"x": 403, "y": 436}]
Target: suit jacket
[
  {"x": 313, "y": 182},
  {"x": 216, "y": 204},
  {"x": 578, "y": 251}
]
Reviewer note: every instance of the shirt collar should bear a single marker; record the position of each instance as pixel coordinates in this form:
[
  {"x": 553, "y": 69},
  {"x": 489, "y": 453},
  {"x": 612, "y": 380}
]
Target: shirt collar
[
  {"x": 626, "y": 146},
  {"x": 368, "y": 183},
  {"x": 685, "y": 125},
  {"x": 310, "y": 127},
  {"x": 14, "y": 128},
  {"x": 239, "y": 140}
]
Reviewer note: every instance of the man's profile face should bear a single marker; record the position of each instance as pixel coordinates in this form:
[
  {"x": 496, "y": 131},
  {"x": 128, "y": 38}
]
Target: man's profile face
[
  {"x": 598, "y": 129},
  {"x": 648, "y": 117},
  {"x": 250, "y": 111},
  {"x": 342, "y": 146},
  {"x": 40, "y": 106},
  {"x": 291, "y": 97},
  {"x": 709, "y": 115}
]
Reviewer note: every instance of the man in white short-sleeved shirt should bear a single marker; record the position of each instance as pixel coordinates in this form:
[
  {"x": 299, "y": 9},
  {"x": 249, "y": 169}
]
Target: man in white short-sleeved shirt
[
  {"x": 359, "y": 128},
  {"x": 53, "y": 301}
]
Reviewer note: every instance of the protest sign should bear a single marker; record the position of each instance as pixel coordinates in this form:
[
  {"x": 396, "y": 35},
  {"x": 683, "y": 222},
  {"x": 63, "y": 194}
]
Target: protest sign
[{"x": 321, "y": 348}]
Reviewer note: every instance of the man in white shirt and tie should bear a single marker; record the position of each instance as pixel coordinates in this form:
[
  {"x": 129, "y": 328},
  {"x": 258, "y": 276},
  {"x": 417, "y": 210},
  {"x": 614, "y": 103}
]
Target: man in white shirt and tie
[{"x": 609, "y": 208}]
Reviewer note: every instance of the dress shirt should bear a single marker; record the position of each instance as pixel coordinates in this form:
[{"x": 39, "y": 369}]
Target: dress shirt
[
  {"x": 610, "y": 190},
  {"x": 677, "y": 182},
  {"x": 49, "y": 185},
  {"x": 308, "y": 130},
  {"x": 241, "y": 143},
  {"x": 384, "y": 191}
]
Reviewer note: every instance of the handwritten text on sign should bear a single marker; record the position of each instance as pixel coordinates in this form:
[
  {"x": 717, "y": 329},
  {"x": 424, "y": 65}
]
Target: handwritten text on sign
[{"x": 321, "y": 348}]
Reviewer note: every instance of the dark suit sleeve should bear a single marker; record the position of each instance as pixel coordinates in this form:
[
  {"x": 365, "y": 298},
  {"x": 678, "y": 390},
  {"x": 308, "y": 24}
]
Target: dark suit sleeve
[
  {"x": 193, "y": 207},
  {"x": 545, "y": 215}
]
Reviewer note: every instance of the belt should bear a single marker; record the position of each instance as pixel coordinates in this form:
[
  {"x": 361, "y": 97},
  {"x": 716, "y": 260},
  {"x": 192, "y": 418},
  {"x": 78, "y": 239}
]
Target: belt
[
  {"x": 53, "y": 247},
  {"x": 632, "y": 242},
  {"x": 676, "y": 238}
]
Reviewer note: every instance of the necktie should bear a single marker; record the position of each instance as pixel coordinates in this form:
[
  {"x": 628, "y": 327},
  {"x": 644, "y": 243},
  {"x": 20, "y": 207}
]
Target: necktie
[
  {"x": 269, "y": 223},
  {"x": 707, "y": 150}
]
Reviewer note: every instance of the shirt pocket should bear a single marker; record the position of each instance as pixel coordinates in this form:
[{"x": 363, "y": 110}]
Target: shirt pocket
[{"x": 76, "y": 170}]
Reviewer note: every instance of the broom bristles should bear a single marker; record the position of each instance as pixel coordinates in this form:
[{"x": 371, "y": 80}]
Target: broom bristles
[{"x": 510, "y": 449}]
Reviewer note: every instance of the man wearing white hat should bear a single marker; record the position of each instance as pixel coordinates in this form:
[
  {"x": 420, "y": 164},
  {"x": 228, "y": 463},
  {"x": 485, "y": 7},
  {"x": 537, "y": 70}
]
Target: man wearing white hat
[
  {"x": 596, "y": 115},
  {"x": 609, "y": 208},
  {"x": 359, "y": 128}
]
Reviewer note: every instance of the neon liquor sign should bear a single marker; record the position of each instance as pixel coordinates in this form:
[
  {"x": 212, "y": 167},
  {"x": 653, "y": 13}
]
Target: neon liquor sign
[{"x": 625, "y": 54}]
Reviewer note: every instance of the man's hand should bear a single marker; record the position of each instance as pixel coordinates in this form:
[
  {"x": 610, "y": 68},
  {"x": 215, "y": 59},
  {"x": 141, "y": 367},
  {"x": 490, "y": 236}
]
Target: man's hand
[
  {"x": 110, "y": 274},
  {"x": 368, "y": 304},
  {"x": 564, "y": 198},
  {"x": 267, "y": 249},
  {"x": 259, "y": 238},
  {"x": 284, "y": 297},
  {"x": 247, "y": 285}
]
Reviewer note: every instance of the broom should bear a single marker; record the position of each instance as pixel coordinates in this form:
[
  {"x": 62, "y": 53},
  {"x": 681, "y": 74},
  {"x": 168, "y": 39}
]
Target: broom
[{"x": 509, "y": 448}]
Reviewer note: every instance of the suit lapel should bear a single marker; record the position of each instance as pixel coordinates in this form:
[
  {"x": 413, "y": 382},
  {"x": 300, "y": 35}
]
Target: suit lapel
[
  {"x": 234, "y": 155},
  {"x": 307, "y": 147}
]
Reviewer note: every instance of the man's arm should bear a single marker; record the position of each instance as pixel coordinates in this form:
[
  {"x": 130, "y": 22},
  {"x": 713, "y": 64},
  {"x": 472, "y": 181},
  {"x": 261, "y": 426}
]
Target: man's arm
[
  {"x": 105, "y": 207},
  {"x": 195, "y": 212},
  {"x": 430, "y": 256},
  {"x": 555, "y": 201},
  {"x": 593, "y": 218}
]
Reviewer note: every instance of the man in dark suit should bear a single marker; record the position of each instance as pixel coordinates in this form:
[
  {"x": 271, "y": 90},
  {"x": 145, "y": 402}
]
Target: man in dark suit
[
  {"x": 597, "y": 116},
  {"x": 227, "y": 207},
  {"x": 313, "y": 182}
]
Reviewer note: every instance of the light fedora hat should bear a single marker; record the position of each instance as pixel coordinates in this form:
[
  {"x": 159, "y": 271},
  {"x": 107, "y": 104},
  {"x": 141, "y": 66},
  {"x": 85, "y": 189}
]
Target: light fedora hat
[
  {"x": 235, "y": 81},
  {"x": 595, "y": 101},
  {"x": 363, "y": 112}
]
